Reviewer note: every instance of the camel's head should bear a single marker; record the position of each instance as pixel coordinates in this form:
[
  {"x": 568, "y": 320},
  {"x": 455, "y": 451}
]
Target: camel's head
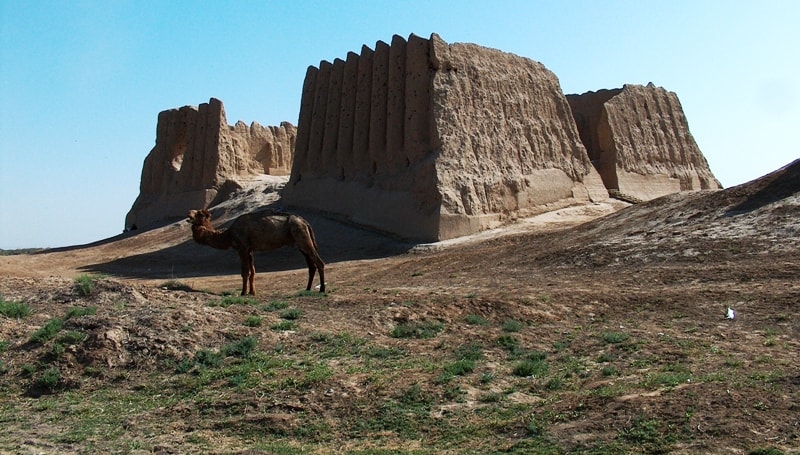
[{"x": 199, "y": 217}]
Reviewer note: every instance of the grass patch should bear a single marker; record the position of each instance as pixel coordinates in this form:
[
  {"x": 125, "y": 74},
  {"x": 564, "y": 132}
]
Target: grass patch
[
  {"x": 276, "y": 305},
  {"x": 615, "y": 337},
  {"x": 508, "y": 342},
  {"x": 253, "y": 321},
  {"x": 424, "y": 329},
  {"x": 71, "y": 337},
  {"x": 49, "y": 379},
  {"x": 283, "y": 326},
  {"x": 15, "y": 310},
  {"x": 531, "y": 368},
  {"x": 241, "y": 348},
  {"x": 291, "y": 314},
  {"x": 470, "y": 351},
  {"x": 77, "y": 312},
  {"x": 647, "y": 434},
  {"x": 48, "y": 331},
  {"x": 460, "y": 367},
  {"x": 512, "y": 325},
  {"x": 473, "y": 319},
  {"x": 85, "y": 283}
]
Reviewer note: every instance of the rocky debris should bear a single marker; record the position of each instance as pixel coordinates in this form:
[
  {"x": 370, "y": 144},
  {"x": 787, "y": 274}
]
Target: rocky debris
[
  {"x": 198, "y": 160},
  {"x": 430, "y": 140},
  {"x": 638, "y": 139}
]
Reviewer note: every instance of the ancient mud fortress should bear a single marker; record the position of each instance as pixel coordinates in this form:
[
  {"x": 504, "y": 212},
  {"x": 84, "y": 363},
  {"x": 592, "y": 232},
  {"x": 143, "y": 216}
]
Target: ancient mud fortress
[{"x": 429, "y": 141}]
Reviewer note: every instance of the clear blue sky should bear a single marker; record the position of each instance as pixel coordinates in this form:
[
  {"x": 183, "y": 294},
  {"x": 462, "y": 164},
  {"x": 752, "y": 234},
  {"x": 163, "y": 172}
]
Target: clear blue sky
[{"x": 82, "y": 82}]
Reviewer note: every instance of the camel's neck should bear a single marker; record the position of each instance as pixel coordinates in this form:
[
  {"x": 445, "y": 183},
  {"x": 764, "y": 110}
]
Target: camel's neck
[{"x": 213, "y": 238}]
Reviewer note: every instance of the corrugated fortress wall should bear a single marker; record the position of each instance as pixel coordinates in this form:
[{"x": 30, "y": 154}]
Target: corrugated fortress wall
[
  {"x": 363, "y": 135},
  {"x": 431, "y": 141},
  {"x": 638, "y": 138}
]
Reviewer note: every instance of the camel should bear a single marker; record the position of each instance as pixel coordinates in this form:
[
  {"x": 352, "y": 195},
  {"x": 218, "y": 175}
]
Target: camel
[{"x": 260, "y": 231}]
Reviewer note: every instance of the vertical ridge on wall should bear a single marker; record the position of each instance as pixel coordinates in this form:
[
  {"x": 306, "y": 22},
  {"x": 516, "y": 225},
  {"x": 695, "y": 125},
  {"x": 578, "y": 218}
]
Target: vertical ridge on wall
[
  {"x": 362, "y": 113},
  {"x": 306, "y": 114},
  {"x": 395, "y": 105},
  {"x": 377, "y": 121},
  {"x": 344, "y": 147}
]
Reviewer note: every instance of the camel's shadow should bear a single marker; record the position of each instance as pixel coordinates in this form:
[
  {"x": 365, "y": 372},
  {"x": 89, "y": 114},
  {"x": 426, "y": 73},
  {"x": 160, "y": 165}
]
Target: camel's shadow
[{"x": 338, "y": 242}]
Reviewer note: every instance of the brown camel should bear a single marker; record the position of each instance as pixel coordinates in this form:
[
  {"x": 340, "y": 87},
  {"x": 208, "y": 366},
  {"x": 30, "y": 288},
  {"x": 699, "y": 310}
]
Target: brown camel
[{"x": 260, "y": 231}]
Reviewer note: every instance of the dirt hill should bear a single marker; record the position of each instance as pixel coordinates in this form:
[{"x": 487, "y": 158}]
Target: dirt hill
[{"x": 596, "y": 329}]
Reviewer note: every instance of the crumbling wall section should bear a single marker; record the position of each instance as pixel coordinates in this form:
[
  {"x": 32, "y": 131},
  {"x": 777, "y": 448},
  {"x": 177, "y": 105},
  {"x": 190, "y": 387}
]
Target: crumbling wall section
[
  {"x": 198, "y": 158},
  {"x": 639, "y": 140}
]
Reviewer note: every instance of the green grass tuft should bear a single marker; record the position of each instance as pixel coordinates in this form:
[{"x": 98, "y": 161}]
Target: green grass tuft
[
  {"x": 15, "y": 310},
  {"x": 81, "y": 311},
  {"x": 424, "y": 329},
  {"x": 48, "y": 331}
]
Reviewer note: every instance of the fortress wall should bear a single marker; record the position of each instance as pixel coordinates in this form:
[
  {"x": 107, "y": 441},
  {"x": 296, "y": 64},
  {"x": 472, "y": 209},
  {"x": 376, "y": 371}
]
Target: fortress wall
[
  {"x": 429, "y": 140},
  {"x": 198, "y": 158},
  {"x": 639, "y": 139}
]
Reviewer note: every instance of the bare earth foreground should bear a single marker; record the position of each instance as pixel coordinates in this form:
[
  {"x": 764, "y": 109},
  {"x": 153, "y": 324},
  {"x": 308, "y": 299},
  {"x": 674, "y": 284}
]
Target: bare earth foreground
[{"x": 598, "y": 329}]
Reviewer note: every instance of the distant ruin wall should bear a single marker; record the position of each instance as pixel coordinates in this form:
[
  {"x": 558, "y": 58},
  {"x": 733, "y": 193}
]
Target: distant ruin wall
[
  {"x": 198, "y": 158},
  {"x": 638, "y": 139},
  {"x": 431, "y": 141}
]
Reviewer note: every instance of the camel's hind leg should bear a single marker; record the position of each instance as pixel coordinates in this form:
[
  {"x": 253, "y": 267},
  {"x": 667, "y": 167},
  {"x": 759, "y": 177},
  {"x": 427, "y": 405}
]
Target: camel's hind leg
[
  {"x": 307, "y": 244},
  {"x": 248, "y": 271},
  {"x": 311, "y": 271},
  {"x": 315, "y": 264}
]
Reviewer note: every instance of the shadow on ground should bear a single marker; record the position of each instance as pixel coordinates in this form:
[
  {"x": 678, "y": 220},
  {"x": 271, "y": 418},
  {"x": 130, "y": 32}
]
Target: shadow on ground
[{"x": 338, "y": 242}]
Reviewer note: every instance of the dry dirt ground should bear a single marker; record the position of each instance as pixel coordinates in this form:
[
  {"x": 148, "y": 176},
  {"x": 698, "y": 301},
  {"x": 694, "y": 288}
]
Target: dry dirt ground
[{"x": 597, "y": 329}]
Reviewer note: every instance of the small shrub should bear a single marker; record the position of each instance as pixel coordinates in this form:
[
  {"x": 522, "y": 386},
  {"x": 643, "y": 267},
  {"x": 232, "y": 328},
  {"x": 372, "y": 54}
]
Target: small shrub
[
  {"x": 3, "y": 346},
  {"x": 48, "y": 331},
  {"x": 424, "y": 329},
  {"x": 605, "y": 357},
  {"x": 84, "y": 284},
  {"x": 185, "y": 365},
  {"x": 58, "y": 350},
  {"x": 276, "y": 305},
  {"x": 207, "y": 358},
  {"x": 512, "y": 325},
  {"x": 27, "y": 369},
  {"x": 49, "y": 379},
  {"x": 283, "y": 325},
  {"x": 555, "y": 383},
  {"x": 528, "y": 368},
  {"x": 241, "y": 348},
  {"x": 291, "y": 314},
  {"x": 508, "y": 342},
  {"x": 228, "y": 300},
  {"x": 471, "y": 351},
  {"x": 16, "y": 310},
  {"x": 615, "y": 337},
  {"x": 610, "y": 371},
  {"x": 460, "y": 367},
  {"x": 72, "y": 337},
  {"x": 81, "y": 311},
  {"x": 253, "y": 321},
  {"x": 473, "y": 319}
]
